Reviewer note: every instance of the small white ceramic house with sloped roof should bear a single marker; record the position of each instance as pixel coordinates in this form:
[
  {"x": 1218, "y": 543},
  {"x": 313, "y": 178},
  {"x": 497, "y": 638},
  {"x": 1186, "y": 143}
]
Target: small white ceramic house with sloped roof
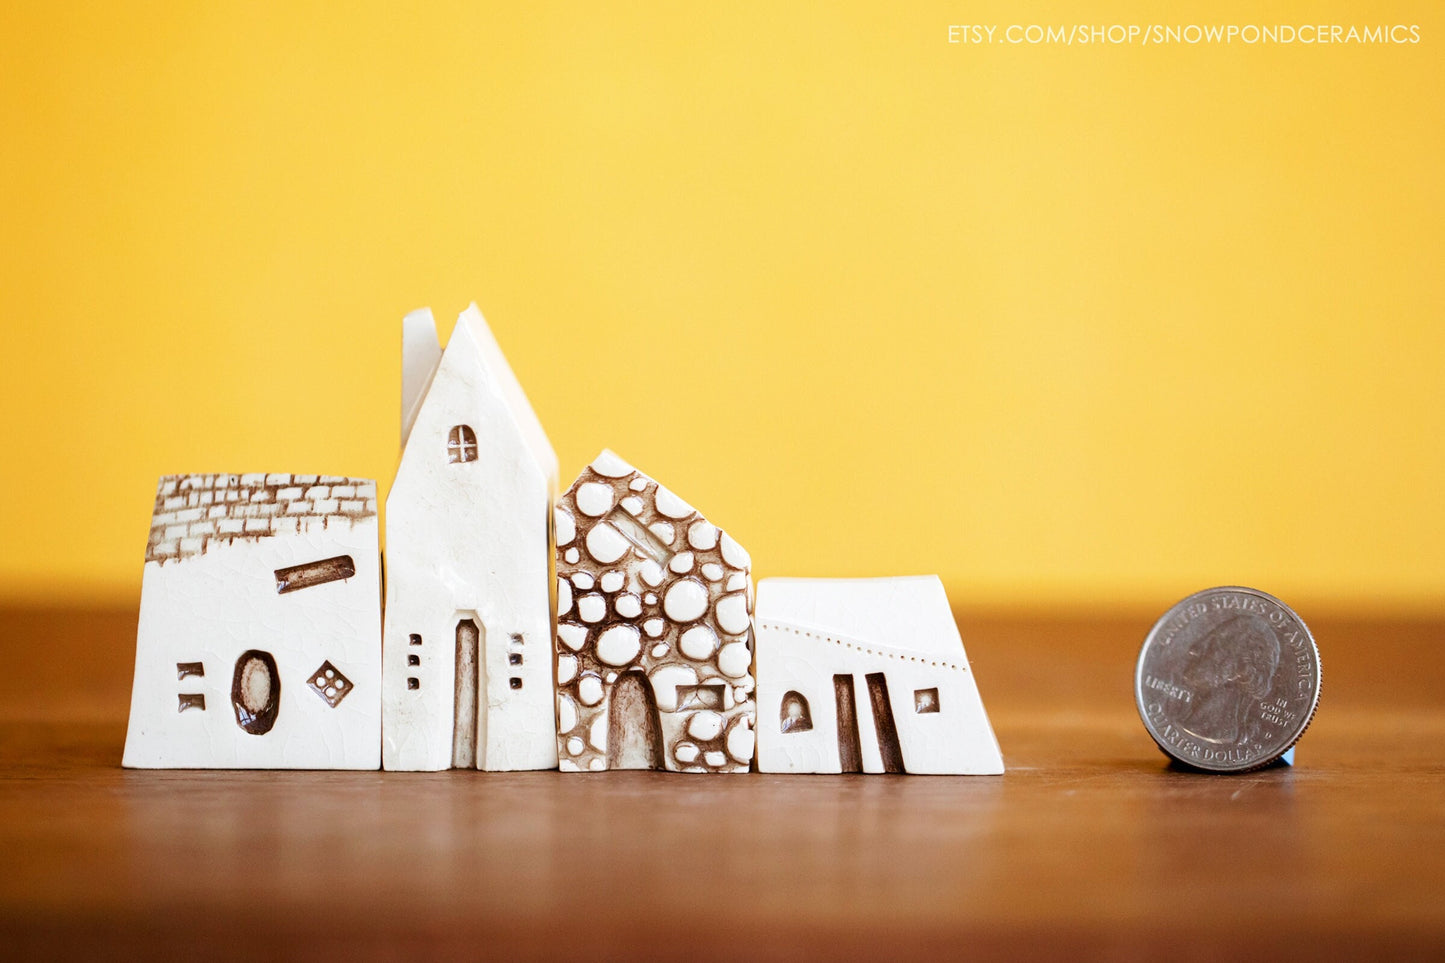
[
  {"x": 866, "y": 675},
  {"x": 259, "y": 643},
  {"x": 467, "y": 667}
]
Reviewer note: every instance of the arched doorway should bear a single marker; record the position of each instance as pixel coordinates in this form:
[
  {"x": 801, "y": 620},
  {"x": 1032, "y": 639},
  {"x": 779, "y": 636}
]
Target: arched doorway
[{"x": 634, "y": 731}]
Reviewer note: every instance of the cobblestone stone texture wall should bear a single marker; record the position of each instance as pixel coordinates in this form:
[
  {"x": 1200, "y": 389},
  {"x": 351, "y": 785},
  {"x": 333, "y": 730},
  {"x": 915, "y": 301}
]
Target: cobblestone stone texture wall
[
  {"x": 195, "y": 512},
  {"x": 649, "y": 589}
]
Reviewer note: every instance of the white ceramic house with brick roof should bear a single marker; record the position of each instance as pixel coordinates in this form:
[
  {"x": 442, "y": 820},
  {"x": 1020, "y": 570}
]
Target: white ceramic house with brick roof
[
  {"x": 259, "y": 643},
  {"x": 467, "y": 668},
  {"x": 866, "y": 675},
  {"x": 654, "y": 631}
]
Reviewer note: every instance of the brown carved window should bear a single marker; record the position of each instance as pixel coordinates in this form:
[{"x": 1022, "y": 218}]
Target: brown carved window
[
  {"x": 794, "y": 715},
  {"x": 461, "y": 444}
]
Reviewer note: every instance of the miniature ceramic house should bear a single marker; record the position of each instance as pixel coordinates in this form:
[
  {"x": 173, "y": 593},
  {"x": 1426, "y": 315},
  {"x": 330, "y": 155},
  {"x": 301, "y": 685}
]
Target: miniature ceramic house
[
  {"x": 259, "y": 644},
  {"x": 654, "y": 632},
  {"x": 866, "y": 675},
  {"x": 467, "y": 679}
]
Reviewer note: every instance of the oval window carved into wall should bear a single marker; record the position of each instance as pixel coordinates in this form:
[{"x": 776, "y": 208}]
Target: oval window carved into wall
[{"x": 256, "y": 692}]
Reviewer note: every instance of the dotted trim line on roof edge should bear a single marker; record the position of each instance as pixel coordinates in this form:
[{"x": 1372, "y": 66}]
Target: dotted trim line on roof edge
[{"x": 797, "y": 630}]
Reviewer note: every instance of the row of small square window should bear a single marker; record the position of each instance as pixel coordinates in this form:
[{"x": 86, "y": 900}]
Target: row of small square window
[{"x": 412, "y": 682}]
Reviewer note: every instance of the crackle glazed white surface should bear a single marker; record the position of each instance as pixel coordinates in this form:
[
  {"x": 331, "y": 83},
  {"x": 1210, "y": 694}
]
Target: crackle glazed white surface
[
  {"x": 209, "y": 594},
  {"x": 468, "y": 540},
  {"x": 651, "y": 594},
  {"x": 810, "y": 630}
]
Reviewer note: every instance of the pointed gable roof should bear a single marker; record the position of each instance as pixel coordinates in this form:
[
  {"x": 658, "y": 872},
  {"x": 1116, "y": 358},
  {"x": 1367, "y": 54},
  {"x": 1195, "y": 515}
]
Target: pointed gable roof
[
  {"x": 504, "y": 381},
  {"x": 471, "y": 348}
]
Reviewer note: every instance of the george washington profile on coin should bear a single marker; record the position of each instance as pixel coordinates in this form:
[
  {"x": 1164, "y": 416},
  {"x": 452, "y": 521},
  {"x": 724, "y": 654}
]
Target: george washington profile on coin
[{"x": 1229, "y": 669}]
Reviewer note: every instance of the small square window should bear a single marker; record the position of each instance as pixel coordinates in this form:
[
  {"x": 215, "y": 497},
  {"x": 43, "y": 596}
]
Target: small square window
[
  {"x": 925, "y": 700},
  {"x": 514, "y": 658},
  {"x": 413, "y": 660},
  {"x": 415, "y": 639},
  {"x": 413, "y": 683},
  {"x": 461, "y": 444},
  {"x": 516, "y": 683}
]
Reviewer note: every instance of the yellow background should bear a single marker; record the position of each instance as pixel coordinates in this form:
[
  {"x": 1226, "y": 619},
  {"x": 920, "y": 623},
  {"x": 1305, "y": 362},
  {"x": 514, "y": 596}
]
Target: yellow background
[{"x": 1064, "y": 324}]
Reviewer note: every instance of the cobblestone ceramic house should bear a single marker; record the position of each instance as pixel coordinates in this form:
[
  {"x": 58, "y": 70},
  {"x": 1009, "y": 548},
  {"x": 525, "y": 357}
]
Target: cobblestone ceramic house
[
  {"x": 866, "y": 675},
  {"x": 259, "y": 644},
  {"x": 654, "y": 632},
  {"x": 467, "y": 676}
]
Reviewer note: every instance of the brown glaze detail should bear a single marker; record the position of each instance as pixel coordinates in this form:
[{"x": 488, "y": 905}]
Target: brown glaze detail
[
  {"x": 191, "y": 700},
  {"x": 412, "y": 682},
  {"x": 637, "y": 533},
  {"x": 925, "y": 700},
  {"x": 461, "y": 444},
  {"x": 330, "y": 684},
  {"x": 883, "y": 722},
  {"x": 185, "y": 670},
  {"x": 634, "y": 730},
  {"x": 193, "y": 513},
  {"x": 794, "y": 714},
  {"x": 850, "y": 746},
  {"x": 298, "y": 577},
  {"x": 413, "y": 660},
  {"x": 468, "y": 689},
  {"x": 515, "y": 682},
  {"x": 256, "y": 692},
  {"x": 415, "y": 639},
  {"x": 708, "y": 696}
]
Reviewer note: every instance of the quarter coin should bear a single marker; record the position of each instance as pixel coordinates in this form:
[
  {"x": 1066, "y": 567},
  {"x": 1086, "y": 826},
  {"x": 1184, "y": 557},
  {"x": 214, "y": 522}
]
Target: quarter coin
[{"x": 1228, "y": 680}]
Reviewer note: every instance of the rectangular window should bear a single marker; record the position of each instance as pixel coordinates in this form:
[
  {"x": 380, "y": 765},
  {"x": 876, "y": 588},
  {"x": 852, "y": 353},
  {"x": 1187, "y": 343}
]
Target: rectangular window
[
  {"x": 699, "y": 697},
  {"x": 298, "y": 577}
]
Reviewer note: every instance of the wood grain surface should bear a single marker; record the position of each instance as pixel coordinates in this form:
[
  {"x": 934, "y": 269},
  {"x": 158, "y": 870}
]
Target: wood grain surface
[{"x": 1088, "y": 847}]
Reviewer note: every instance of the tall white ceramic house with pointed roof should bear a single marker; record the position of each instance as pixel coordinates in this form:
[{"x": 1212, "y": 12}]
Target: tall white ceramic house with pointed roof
[{"x": 467, "y": 669}]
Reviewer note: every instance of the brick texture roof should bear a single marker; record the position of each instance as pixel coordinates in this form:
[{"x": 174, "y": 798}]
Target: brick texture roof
[{"x": 195, "y": 512}]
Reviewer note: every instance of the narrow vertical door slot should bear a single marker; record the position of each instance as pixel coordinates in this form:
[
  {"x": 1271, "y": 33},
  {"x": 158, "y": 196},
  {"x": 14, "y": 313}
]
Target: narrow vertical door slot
[
  {"x": 464, "y": 713},
  {"x": 850, "y": 747},
  {"x": 884, "y": 724}
]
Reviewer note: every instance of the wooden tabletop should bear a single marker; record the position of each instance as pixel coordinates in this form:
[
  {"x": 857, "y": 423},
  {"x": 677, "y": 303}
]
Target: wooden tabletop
[{"x": 1088, "y": 847}]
